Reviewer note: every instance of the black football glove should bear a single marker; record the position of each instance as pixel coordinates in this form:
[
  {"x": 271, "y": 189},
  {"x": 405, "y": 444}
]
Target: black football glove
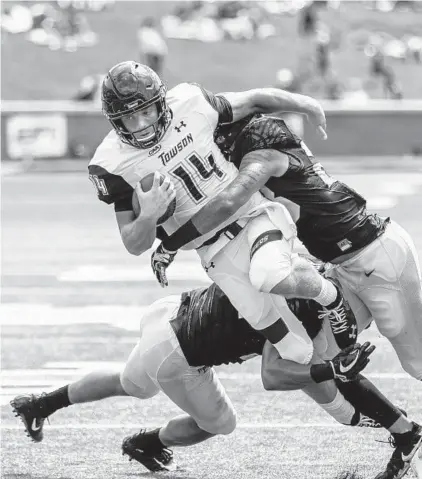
[
  {"x": 161, "y": 259},
  {"x": 345, "y": 366},
  {"x": 351, "y": 361}
]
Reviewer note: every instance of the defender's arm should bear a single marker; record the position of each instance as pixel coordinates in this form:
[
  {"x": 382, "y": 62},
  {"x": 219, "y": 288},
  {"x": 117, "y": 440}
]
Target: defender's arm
[
  {"x": 272, "y": 100},
  {"x": 255, "y": 170}
]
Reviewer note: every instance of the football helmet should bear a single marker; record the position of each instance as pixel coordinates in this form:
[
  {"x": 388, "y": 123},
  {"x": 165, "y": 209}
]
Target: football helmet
[{"x": 127, "y": 88}]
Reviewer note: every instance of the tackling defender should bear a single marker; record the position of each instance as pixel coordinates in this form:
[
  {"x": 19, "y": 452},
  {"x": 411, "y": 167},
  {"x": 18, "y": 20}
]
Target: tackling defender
[
  {"x": 182, "y": 338},
  {"x": 373, "y": 257},
  {"x": 173, "y": 133}
]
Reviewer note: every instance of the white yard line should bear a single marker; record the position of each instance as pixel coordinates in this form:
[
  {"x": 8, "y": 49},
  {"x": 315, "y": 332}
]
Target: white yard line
[{"x": 246, "y": 425}]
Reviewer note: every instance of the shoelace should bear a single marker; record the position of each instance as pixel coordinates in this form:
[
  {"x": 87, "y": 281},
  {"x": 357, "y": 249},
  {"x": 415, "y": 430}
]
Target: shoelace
[
  {"x": 337, "y": 318},
  {"x": 390, "y": 441}
]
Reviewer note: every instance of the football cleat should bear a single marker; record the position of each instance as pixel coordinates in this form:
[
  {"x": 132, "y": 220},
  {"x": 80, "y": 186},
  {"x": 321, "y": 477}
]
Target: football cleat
[
  {"x": 138, "y": 447},
  {"x": 406, "y": 446},
  {"x": 29, "y": 409},
  {"x": 342, "y": 319}
]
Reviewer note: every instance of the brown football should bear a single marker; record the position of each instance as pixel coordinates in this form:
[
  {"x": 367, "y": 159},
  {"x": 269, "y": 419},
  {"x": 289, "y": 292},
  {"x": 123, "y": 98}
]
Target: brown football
[{"x": 146, "y": 185}]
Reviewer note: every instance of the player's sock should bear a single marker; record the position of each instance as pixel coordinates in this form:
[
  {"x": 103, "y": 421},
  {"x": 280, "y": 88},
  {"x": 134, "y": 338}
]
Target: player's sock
[
  {"x": 329, "y": 294},
  {"x": 52, "y": 402},
  {"x": 340, "y": 409},
  {"x": 367, "y": 399}
]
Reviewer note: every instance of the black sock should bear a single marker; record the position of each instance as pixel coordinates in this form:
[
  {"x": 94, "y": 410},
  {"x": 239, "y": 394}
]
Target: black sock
[
  {"x": 55, "y": 400},
  {"x": 367, "y": 399},
  {"x": 154, "y": 443}
]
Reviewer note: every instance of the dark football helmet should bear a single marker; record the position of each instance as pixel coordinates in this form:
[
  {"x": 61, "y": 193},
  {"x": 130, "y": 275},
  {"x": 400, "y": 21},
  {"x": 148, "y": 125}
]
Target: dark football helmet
[{"x": 128, "y": 88}]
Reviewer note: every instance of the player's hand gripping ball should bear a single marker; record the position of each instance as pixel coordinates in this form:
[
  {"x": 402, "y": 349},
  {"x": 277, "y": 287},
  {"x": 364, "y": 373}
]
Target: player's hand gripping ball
[{"x": 146, "y": 185}]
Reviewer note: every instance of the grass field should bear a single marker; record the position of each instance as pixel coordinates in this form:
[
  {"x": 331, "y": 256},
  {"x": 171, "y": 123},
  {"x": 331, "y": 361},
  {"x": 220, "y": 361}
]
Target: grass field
[
  {"x": 71, "y": 302},
  {"x": 33, "y": 72}
]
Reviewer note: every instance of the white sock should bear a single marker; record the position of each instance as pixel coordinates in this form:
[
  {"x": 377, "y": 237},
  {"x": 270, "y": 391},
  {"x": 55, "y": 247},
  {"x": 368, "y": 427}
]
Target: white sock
[
  {"x": 328, "y": 293},
  {"x": 340, "y": 409}
]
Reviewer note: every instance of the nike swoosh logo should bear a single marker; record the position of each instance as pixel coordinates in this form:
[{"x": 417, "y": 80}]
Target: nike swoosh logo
[
  {"x": 34, "y": 426},
  {"x": 369, "y": 274},
  {"x": 345, "y": 369},
  {"x": 408, "y": 457}
]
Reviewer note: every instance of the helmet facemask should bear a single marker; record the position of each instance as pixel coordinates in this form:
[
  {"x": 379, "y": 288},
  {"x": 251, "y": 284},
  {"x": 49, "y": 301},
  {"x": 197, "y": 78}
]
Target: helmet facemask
[
  {"x": 159, "y": 125},
  {"x": 130, "y": 88}
]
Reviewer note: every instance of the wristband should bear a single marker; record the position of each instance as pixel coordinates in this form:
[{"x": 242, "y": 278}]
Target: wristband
[
  {"x": 184, "y": 235},
  {"x": 322, "y": 372}
]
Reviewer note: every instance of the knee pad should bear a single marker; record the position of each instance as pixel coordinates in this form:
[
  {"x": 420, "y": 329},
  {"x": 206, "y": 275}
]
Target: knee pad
[
  {"x": 226, "y": 424},
  {"x": 271, "y": 263},
  {"x": 136, "y": 390}
]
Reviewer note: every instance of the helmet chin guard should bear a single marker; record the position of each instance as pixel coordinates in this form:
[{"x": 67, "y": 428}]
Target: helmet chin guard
[{"x": 130, "y": 87}]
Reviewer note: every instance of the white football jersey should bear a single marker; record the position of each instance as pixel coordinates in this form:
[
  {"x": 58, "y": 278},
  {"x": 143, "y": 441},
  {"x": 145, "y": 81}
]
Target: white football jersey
[{"x": 187, "y": 154}]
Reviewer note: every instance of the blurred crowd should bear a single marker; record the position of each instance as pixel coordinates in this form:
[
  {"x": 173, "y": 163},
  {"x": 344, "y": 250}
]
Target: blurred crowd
[
  {"x": 318, "y": 41},
  {"x": 63, "y": 25},
  {"x": 60, "y": 25},
  {"x": 217, "y": 21}
]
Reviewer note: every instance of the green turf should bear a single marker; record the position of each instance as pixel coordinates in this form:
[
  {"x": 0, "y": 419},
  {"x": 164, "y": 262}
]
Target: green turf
[{"x": 32, "y": 72}]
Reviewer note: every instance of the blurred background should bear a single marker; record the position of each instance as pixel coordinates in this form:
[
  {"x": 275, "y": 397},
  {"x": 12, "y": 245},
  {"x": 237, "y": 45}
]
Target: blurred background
[
  {"x": 358, "y": 56},
  {"x": 72, "y": 296}
]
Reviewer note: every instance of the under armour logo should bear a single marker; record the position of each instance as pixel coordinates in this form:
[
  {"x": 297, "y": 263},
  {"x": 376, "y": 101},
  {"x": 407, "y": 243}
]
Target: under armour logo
[
  {"x": 179, "y": 128},
  {"x": 353, "y": 334},
  {"x": 211, "y": 265}
]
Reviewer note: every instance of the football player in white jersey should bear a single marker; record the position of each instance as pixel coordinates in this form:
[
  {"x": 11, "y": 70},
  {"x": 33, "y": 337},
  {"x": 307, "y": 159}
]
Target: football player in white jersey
[{"x": 173, "y": 134}]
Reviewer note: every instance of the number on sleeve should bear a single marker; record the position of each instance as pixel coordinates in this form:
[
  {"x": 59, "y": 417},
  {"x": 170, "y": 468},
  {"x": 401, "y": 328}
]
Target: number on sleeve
[{"x": 99, "y": 184}]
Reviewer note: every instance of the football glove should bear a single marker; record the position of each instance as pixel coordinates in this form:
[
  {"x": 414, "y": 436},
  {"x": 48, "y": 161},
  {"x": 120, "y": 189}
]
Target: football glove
[
  {"x": 161, "y": 259},
  {"x": 351, "y": 361},
  {"x": 345, "y": 366}
]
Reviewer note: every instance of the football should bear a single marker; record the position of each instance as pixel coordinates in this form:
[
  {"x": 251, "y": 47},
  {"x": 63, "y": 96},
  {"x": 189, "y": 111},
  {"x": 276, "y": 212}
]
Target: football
[{"x": 146, "y": 185}]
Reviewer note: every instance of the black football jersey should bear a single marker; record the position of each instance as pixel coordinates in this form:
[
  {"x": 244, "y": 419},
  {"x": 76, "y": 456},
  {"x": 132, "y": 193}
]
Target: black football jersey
[
  {"x": 210, "y": 331},
  {"x": 333, "y": 217}
]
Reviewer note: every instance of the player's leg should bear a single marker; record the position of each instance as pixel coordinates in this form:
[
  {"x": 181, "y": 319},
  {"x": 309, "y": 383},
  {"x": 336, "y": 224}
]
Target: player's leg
[
  {"x": 374, "y": 408},
  {"x": 274, "y": 268},
  {"x": 199, "y": 393},
  {"x": 350, "y": 404},
  {"x": 196, "y": 391},
  {"x": 97, "y": 385},
  {"x": 33, "y": 409},
  {"x": 281, "y": 375},
  {"x": 386, "y": 276},
  {"x": 269, "y": 314}
]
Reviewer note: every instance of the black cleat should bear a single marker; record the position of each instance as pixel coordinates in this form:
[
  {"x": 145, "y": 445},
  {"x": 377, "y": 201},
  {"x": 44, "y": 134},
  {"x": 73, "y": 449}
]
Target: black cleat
[
  {"x": 138, "y": 447},
  {"x": 342, "y": 319},
  {"x": 406, "y": 446},
  {"x": 28, "y": 408}
]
